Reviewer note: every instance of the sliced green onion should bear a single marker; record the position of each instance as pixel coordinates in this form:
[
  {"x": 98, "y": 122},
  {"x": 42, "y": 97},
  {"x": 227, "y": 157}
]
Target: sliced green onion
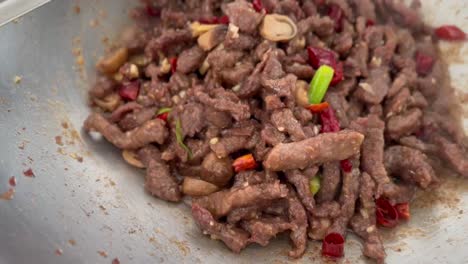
[
  {"x": 180, "y": 139},
  {"x": 320, "y": 83},
  {"x": 163, "y": 110},
  {"x": 314, "y": 184}
]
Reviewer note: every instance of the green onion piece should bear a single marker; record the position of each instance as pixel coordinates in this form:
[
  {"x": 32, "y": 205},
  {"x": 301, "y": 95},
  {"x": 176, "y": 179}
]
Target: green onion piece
[
  {"x": 180, "y": 139},
  {"x": 320, "y": 83},
  {"x": 163, "y": 110},
  {"x": 314, "y": 184}
]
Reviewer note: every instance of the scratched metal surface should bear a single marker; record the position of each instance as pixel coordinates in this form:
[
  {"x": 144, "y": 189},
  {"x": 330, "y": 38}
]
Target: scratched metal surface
[{"x": 96, "y": 210}]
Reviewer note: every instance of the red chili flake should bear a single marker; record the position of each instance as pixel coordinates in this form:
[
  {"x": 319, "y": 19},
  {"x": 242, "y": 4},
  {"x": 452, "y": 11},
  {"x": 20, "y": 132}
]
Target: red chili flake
[
  {"x": 257, "y": 5},
  {"x": 152, "y": 11},
  {"x": 370, "y": 23},
  {"x": 336, "y": 14},
  {"x": 246, "y": 162},
  {"x": 450, "y": 33},
  {"x": 346, "y": 165},
  {"x": 338, "y": 76},
  {"x": 317, "y": 108},
  {"x": 424, "y": 63},
  {"x": 58, "y": 252},
  {"x": 223, "y": 20},
  {"x": 12, "y": 181},
  {"x": 163, "y": 116},
  {"x": 129, "y": 90},
  {"x": 329, "y": 121},
  {"x": 333, "y": 245},
  {"x": 116, "y": 261},
  {"x": 403, "y": 210},
  {"x": 319, "y": 56},
  {"x": 173, "y": 62},
  {"x": 211, "y": 20},
  {"x": 29, "y": 173},
  {"x": 387, "y": 215}
]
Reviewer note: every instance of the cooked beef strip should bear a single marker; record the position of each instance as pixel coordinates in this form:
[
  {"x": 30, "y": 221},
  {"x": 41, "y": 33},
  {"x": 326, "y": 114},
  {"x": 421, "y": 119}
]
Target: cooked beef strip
[
  {"x": 262, "y": 230},
  {"x": 453, "y": 154},
  {"x": 298, "y": 217},
  {"x": 364, "y": 224},
  {"x": 301, "y": 180},
  {"x": 235, "y": 238},
  {"x": 322, "y": 148},
  {"x": 410, "y": 165},
  {"x": 222, "y": 202},
  {"x": 331, "y": 178},
  {"x": 151, "y": 131},
  {"x": 159, "y": 181}
]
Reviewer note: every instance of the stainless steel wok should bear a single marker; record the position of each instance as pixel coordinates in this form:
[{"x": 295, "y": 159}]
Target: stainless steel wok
[{"x": 85, "y": 205}]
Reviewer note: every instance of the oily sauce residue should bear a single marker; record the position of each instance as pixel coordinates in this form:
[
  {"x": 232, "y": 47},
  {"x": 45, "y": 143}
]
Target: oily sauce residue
[
  {"x": 12, "y": 181},
  {"x": 29, "y": 173},
  {"x": 116, "y": 261},
  {"x": 8, "y": 195}
]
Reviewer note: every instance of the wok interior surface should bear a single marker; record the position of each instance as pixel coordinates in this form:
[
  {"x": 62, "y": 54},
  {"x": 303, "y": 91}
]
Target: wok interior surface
[{"x": 85, "y": 203}]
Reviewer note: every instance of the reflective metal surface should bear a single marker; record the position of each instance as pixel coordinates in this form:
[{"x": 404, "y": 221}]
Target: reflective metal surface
[{"x": 96, "y": 210}]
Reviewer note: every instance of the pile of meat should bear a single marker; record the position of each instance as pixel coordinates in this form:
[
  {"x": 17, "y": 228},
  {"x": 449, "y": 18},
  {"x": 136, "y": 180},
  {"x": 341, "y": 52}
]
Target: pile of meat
[{"x": 210, "y": 97}]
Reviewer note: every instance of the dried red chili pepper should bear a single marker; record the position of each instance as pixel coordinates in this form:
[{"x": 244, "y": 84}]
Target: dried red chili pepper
[
  {"x": 246, "y": 162},
  {"x": 385, "y": 212},
  {"x": 370, "y": 23},
  {"x": 346, "y": 165},
  {"x": 317, "y": 108},
  {"x": 129, "y": 90},
  {"x": 163, "y": 116},
  {"x": 319, "y": 56},
  {"x": 450, "y": 33},
  {"x": 333, "y": 245},
  {"x": 336, "y": 14},
  {"x": 152, "y": 11},
  {"x": 338, "y": 76},
  {"x": 173, "y": 62},
  {"x": 12, "y": 181},
  {"x": 329, "y": 121},
  {"x": 257, "y": 5},
  {"x": 403, "y": 211},
  {"x": 223, "y": 20},
  {"x": 424, "y": 63}
]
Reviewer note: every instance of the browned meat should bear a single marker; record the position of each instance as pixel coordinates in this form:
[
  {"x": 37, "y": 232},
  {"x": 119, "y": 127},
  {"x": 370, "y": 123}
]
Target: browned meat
[
  {"x": 151, "y": 131},
  {"x": 237, "y": 75},
  {"x": 192, "y": 119},
  {"x": 363, "y": 223},
  {"x": 238, "y": 110},
  {"x": 404, "y": 124},
  {"x": 322, "y": 148},
  {"x": 168, "y": 39},
  {"x": 340, "y": 105},
  {"x": 331, "y": 178},
  {"x": 374, "y": 89},
  {"x": 415, "y": 143},
  {"x": 228, "y": 145},
  {"x": 411, "y": 165},
  {"x": 301, "y": 181},
  {"x": 298, "y": 217},
  {"x": 137, "y": 118},
  {"x": 159, "y": 181},
  {"x": 217, "y": 118},
  {"x": 241, "y": 14},
  {"x": 453, "y": 154},
  {"x": 122, "y": 110},
  {"x": 190, "y": 60},
  {"x": 356, "y": 63},
  {"x": 284, "y": 120},
  {"x": 271, "y": 135},
  {"x": 103, "y": 86},
  {"x": 397, "y": 104},
  {"x": 222, "y": 59},
  {"x": 222, "y": 202},
  {"x": 215, "y": 170},
  {"x": 372, "y": 152},
  {"x": 330, "y": 210},
  {"x": 262, "y": 230},
  {"x": 235, "y": 239},
  {"x": 254, "y": 177},
  {"x": 244, "y": 213}
]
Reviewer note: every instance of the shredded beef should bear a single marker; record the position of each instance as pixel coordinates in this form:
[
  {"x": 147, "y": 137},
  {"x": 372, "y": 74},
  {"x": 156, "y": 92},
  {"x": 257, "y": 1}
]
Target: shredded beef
[
  {"x": 319, "y": 149},
  {"x": 200, "y": 90}
]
